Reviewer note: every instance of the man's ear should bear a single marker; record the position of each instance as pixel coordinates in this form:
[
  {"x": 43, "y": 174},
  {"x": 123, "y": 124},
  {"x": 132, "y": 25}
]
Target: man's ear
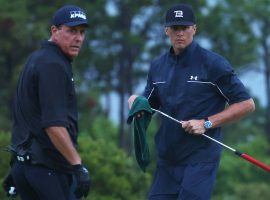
[
  {"x": 54, "y": 33},
  {"x": 166, "y": 30},
  {"x": 53, "y": 30},
  {"x": 195, "y": 29}
]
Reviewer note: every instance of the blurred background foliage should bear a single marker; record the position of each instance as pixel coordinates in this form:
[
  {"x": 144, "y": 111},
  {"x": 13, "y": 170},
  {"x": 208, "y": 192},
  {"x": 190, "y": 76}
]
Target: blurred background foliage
[{"x": 122, "y": 39}]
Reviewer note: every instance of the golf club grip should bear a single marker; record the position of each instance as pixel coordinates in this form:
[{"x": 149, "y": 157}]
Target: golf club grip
[{"x": 256, "y": 162}]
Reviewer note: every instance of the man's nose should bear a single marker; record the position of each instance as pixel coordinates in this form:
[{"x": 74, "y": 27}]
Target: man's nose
[
  {"x": 80, "y": 36},
  {"x": 180, "y": 32}
]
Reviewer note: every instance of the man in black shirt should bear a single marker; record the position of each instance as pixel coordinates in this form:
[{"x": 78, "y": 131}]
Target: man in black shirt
[{"x": 46, "y": 164}]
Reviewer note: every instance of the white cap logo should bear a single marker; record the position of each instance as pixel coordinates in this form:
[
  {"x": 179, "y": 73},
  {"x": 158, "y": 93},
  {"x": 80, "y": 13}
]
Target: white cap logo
[
  {"x": 77, "y": 14},
  {"x": 178, "y": 13}
]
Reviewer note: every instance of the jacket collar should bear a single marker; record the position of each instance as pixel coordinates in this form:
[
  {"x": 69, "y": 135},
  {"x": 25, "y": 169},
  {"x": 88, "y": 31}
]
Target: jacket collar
[{"x": 185, "y": 55}]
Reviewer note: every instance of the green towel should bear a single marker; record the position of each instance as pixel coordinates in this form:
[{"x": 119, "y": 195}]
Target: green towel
[{"x": 139, "y": 106}]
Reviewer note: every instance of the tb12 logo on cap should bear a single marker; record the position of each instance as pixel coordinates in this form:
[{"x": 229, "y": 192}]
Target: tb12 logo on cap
[{"x": 178, "y": 13}]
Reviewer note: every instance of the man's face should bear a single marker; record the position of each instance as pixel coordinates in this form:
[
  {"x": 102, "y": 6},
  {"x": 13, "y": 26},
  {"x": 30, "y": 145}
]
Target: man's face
[
  {"x": 69, "y": 39},
  {"x": 180, "y": 36}
]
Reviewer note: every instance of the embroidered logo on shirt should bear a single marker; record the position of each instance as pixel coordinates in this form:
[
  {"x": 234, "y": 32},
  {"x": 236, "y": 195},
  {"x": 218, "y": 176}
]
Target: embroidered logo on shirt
[{"x": 193, "y": 78}]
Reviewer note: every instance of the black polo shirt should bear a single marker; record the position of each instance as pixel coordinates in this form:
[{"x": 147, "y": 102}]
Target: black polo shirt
[
  {"x": 45, "y": 97},
  {"x": 193, "y": 85}
]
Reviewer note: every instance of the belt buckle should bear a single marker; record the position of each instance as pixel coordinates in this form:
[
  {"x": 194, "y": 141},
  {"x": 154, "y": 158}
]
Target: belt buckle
[{"x": 23, "y": 158}]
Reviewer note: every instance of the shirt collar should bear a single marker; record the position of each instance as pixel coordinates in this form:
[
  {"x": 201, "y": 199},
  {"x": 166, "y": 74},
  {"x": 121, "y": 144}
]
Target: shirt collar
[{"x": 56, "y": 48}]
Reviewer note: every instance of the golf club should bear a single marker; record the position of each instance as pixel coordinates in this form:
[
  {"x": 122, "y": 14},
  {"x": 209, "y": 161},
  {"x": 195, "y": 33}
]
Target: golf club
[{"x": 242, "y": 155}]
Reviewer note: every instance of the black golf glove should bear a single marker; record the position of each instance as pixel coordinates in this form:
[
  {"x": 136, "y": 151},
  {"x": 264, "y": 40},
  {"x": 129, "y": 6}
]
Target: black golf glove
[
  {"x": 9, "y": 186},
  {"x": 83, "y": 181}
]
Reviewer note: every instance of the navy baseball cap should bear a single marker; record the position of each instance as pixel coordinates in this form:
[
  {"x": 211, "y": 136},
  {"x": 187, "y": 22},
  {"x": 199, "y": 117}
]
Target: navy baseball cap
[
  {"x": 69, "y": 15},
  {"x": 180, "y": 14}
]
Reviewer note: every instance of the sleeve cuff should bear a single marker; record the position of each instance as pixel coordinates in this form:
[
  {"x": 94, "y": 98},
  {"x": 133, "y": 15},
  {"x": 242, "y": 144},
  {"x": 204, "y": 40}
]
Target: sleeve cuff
[{"x": 46, "y": 124}]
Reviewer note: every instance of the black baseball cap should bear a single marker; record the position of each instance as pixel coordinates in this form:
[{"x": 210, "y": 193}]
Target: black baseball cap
[
  {"x": 70, "y": 15},
  {"x": 180, "y": 14}
]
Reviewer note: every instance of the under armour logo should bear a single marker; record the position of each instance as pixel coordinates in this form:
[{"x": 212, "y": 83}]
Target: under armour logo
[
  {"x": 178, "y": 13},
  {"x": 193, "y": 78},
  {"x": 77, "y": 14}
]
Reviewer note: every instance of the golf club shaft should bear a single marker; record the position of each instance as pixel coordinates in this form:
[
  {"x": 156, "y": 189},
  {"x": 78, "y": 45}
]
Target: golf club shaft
[
  {"x": 242, "y": 155},
  {"x": 164, "y": 114}
]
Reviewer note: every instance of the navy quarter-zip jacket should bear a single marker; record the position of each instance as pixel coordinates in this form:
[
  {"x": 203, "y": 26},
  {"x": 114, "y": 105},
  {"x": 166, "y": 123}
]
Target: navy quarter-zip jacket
[{"x": 193, "y": 85}]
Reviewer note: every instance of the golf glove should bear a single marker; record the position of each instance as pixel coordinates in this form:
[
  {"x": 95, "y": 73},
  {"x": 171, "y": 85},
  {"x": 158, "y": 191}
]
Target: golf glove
[
  {"x": 9, "y": 186},
  {"x": 83, "y": 181}
]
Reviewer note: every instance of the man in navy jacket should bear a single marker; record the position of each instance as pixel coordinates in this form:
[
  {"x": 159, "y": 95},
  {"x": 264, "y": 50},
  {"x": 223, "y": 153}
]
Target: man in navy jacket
[{"x": 192, "y": 85}]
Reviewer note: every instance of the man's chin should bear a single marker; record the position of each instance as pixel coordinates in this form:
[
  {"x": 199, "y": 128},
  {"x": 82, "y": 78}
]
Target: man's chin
[
  {"x": 181, "y": 46},
  {"x": 73, "y": 54}
]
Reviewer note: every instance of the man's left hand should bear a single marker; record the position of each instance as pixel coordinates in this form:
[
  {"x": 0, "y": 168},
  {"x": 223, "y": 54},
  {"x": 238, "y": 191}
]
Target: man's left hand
[
  {"x": 83, "y": 181},
  {"x": 9, "y": 186},
  {"x": 194, "y": 126}
]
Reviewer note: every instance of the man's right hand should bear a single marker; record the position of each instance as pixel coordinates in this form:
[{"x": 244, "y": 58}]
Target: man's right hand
[
  {"x": 83, "y": 181},
  {"x": 9, "y": 186},
  {"x": 131, "y": 100}
]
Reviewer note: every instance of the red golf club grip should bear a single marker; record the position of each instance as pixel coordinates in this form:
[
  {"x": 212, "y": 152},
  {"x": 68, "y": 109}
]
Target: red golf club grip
[
  {"x": 256, "y": 162},
  {"x": 243, "y": 155}
]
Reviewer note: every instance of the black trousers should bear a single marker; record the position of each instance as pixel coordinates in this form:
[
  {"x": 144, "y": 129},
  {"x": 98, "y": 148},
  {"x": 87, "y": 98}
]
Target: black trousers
[{"x": 36, "y": 182}]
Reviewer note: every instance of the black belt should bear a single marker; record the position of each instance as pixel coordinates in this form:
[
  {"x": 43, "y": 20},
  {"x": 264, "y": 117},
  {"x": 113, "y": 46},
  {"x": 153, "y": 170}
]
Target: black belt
[{"x": 24, "y": 158}]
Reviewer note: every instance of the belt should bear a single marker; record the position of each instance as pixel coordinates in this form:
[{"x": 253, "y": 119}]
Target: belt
[{"x": 24, "y": 158}]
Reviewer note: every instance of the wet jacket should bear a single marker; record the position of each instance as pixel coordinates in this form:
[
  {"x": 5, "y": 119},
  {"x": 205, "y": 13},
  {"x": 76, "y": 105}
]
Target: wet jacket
[{"x": 193, "y": 85}]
